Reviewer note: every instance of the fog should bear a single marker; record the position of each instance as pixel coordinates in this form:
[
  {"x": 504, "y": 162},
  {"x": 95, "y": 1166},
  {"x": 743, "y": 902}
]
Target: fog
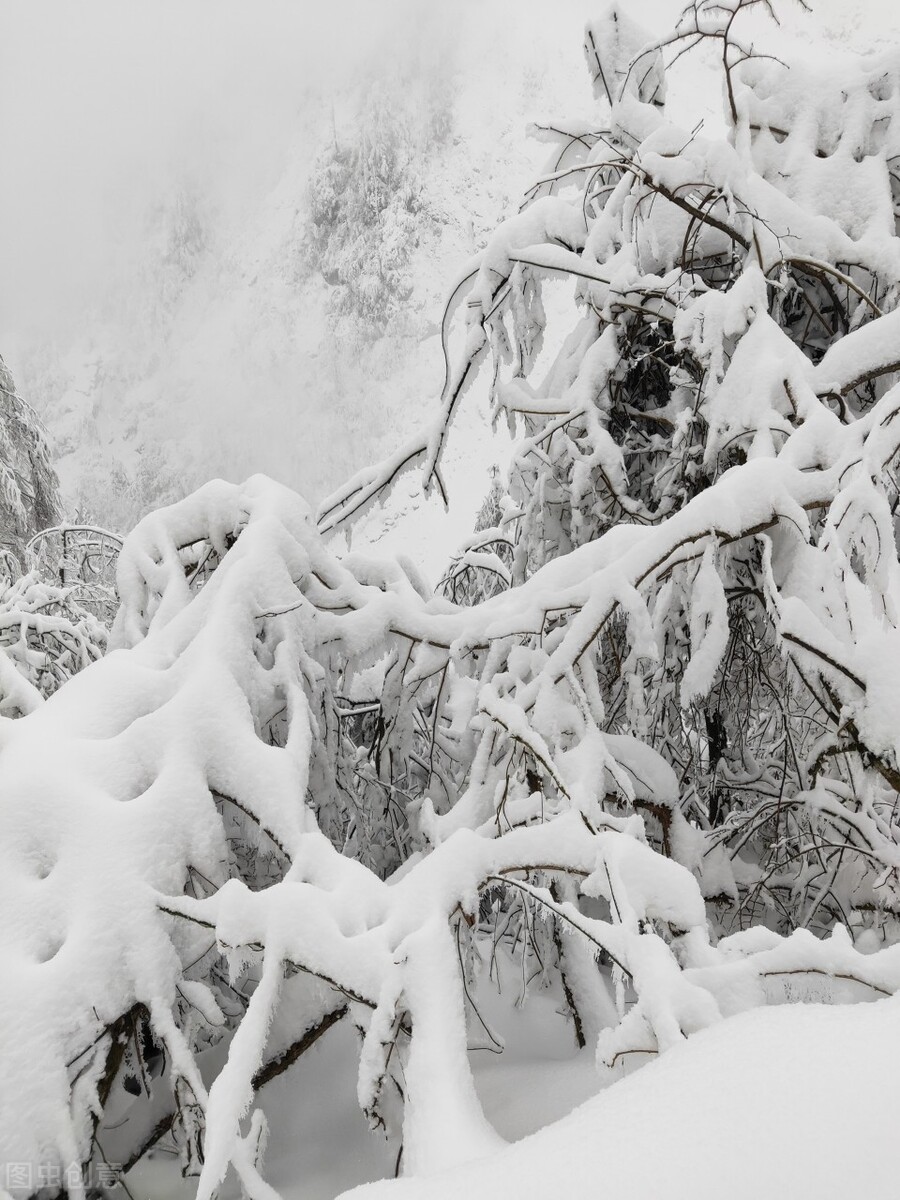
[
  {"x": 105, "y": 107},
  {"x": 110, "y": 111}
]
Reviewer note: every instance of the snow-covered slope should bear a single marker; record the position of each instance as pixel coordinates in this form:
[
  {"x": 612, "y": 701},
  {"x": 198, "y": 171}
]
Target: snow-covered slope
[{"x": 660, "y": 1133}]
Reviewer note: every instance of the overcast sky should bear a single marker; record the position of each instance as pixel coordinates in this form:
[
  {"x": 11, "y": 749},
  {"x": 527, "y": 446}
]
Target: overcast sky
[{"x": 104, "y": 104}]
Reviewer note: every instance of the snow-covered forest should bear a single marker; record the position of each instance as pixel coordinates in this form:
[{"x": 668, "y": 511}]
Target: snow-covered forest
[{"x": 450, "y": 602}]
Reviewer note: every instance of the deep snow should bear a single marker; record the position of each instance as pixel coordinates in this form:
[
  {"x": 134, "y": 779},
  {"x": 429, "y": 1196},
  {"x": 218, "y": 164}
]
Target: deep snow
[{"x": 810, "y": 1093}]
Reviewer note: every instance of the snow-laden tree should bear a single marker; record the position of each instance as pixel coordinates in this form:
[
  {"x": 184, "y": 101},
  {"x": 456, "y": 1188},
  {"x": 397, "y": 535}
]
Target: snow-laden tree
[
  {"x": 367, "y": 200},
  {"x": 29, "y": 488},
  {"x": 655, "y": 754},
  {"x": 364, "y": 197}
]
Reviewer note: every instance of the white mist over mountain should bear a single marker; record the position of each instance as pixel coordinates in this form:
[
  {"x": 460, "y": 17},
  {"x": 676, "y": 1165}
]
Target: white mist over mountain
[
  {"x": 107, "y": 107},
  {"x": 160, "y": 308}
]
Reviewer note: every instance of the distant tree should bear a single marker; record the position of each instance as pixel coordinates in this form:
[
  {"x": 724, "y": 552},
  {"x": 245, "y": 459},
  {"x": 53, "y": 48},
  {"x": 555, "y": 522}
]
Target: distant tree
[
  {"x": 29, "y": 488},
  {"x": 364, "y": 196},
  {"x": 366, "y": 203}
]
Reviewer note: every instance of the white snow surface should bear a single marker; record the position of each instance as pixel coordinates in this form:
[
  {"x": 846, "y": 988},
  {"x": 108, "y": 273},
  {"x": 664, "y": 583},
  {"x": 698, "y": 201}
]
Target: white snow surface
[{"x": 810, "y": 1092}]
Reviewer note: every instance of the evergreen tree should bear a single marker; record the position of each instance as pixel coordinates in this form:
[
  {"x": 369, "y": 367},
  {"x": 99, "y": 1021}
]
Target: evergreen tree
[{"x": 29, "y": 488}]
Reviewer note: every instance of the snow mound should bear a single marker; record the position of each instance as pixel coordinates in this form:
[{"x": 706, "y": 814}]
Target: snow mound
[{"x": 661, "y": 1133}]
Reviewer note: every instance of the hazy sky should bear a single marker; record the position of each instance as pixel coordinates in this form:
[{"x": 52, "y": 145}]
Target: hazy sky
[
  {"x": 104, "y": 102},
  {"x": 110, "y": 109}
]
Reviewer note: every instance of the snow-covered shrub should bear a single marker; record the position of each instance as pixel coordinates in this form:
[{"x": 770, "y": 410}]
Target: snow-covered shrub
[
  {"x": 55, "y": 618},
  {"x": 705, "y": 465},
  {"x": 81, "y": 559},
  {"x": 47, "y": 634},
  {"x": 666, "y": 753}
]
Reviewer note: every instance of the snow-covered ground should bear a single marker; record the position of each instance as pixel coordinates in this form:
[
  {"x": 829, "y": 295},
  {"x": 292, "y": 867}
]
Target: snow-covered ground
[
  {"x": 660, "y": 1133},
  {"x": 319, "y": 1142}
]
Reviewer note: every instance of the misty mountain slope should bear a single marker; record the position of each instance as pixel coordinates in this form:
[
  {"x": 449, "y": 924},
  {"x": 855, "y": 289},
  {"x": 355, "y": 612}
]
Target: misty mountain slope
[
  {"x": 219, "y": 353},
  {"x": 163, "y": 314}
]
